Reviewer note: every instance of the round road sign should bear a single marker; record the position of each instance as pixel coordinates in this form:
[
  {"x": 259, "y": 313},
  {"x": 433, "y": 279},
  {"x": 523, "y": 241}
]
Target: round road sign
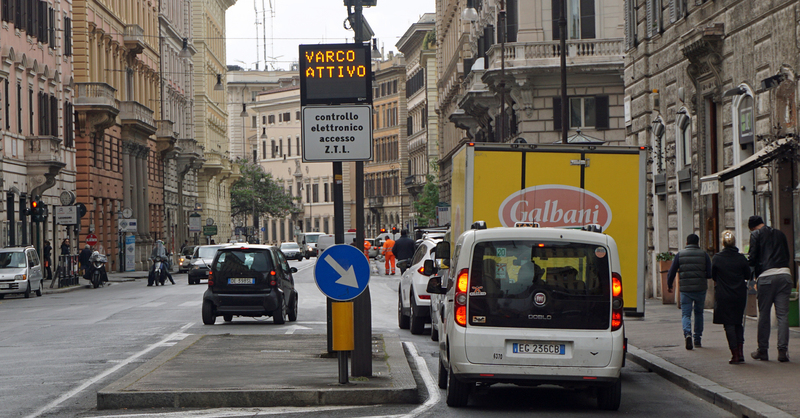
[{"x": 91, "y": 239}]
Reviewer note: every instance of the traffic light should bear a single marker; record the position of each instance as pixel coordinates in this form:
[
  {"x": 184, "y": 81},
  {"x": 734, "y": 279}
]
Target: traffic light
[
  {"x": 383, "y": 230},
  {"x": 37, "y": 210},
  {"x": 394, "y": 230}
]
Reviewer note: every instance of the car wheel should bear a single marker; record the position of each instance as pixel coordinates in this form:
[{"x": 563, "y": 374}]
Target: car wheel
[
  {"x": 28, "y": 290},
  {"x": 293, "y": 308},
  {"x": 402, "y": 321},
  {"x": 609, "y": 397},
  {"x": 227, "y": 318},
  {"x": 208, "y": 313},
  {"x": 417, "y": 321},
  {"x": 39, "y": 290},
  {"x": 457, "y": 391},
  {"x": 279, "y": 315},
  {"x": 442, "y": 376}
]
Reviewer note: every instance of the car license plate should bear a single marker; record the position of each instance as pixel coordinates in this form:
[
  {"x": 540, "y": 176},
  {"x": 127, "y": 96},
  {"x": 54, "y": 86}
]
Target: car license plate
[
  {"x": 538, "y": 348},
  {"x": 239, "y": 280},
  {"x": 5, "y": 286}
]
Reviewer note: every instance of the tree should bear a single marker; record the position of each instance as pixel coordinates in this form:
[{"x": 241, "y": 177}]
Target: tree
[
  {"x": 256, "y": 190},
  {"x": 428, "y": 199}
]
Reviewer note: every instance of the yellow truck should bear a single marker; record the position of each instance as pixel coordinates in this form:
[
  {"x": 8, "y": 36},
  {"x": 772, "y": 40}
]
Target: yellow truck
[{"x": 558, "y": 186}]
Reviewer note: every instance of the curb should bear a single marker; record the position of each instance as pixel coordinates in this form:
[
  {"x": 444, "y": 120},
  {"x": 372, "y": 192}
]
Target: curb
[
  {"x": 734, "y": 402},
  {"x": 404, "y": 390}
]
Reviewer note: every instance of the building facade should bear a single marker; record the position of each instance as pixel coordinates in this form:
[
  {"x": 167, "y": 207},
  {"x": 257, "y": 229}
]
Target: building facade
[
  {"x": 211, "y": 115},
  {"x": 712, "y": 89},
  {"x": 37, "y": 141},
  {"x": 418, "y": 46},
  {"x": 387, "y": 202}
]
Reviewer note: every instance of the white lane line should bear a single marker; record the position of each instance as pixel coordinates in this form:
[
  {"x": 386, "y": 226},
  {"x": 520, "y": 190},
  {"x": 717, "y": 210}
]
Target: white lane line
[
  {"x": 237, "y": 412},
  {"x": 432, "y": 387},
  {"x": 105, "y": 374},
  {"x": 191, "y": 304},
  {"x": 152, "y": 305}
]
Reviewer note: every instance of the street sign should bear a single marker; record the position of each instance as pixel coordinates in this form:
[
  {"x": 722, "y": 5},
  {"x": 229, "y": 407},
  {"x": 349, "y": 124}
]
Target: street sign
[
  {"x": 335, "y": 74},
  {"x": 66, "y": 215},
  {"x": 337, "y": 133},
  {"x": 194, "y": 222},
  {"x": 210, "y": 230},
  {"x": 130, "y": 253},
  {"x": 91, "y": 239},
  {"x": 342, "y": 272},
  {"x": 126, "y": 225}
]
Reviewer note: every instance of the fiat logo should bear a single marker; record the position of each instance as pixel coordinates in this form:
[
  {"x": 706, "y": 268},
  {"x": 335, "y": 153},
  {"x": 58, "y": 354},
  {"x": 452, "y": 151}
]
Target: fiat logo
[{"x": 539, "y": 299}]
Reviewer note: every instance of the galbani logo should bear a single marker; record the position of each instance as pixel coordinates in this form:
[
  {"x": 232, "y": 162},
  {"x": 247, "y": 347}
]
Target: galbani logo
[{"x": 555, "y": 205}]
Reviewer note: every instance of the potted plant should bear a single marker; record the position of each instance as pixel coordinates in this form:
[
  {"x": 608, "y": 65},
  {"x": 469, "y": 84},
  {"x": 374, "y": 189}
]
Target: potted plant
[{"x": 664, "y": 260}]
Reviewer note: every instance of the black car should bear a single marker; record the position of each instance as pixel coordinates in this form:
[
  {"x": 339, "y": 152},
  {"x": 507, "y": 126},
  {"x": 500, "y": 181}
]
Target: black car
[{"x": 250, "y": 280}]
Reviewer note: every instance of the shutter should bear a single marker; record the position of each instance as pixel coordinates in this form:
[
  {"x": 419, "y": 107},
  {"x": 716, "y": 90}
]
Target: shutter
[
  {"x": 53, "y": 116},
  {"x": 512, "y": 20},
  {"x": 556, "y": 4},
  {"x": 587, "y": 19},
  {"x": 673, "y": 11},
  {"x": 628, "y": 26},
  {"x": 557, "y": 113},
  {"x": 650, "y": 18},
  {"x": 601, "y": 112},
  {"x": 4, "y": 11},
  {"x": 488, "y": 41}
]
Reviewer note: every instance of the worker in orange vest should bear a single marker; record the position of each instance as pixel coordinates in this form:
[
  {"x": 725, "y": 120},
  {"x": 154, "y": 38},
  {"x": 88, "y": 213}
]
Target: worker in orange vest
[
  {"x": 388, "y": 255},
  {"x": 367, "y": 246}
]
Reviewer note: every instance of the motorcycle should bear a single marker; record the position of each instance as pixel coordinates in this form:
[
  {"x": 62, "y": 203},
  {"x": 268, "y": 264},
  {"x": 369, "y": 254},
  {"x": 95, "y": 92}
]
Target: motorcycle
[
  {"x": 98, "y": 275},
  {"x": 158, "y": 275}
]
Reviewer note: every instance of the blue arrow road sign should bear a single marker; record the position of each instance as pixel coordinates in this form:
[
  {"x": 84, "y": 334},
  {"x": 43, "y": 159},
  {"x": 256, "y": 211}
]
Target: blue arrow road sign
[{"x": 342, "y": 272}]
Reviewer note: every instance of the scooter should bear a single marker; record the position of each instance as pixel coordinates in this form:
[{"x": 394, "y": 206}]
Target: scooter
[
  {"x": 98, "y": 275},
  {"x": 159, "y": 274}
]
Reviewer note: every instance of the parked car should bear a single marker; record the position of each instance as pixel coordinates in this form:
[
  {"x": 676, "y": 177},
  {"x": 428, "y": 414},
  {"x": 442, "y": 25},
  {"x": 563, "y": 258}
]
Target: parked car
[
  {"x": 20, "y": 271},
  {"x": 375, "y": 247},
  {"x": 529, "y": 306},
  {"x": 201, "y": 262},
  {"x": 414, "y": 302},
  {"x": 185, "y": 259},
  {"x": 250, "y": 280},
  {"x": 291, "y": 251}
]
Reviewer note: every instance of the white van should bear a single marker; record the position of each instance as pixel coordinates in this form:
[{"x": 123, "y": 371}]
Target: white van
[
  {"x": 308, "y": 243},
  {"x": 531, "y": 306}
]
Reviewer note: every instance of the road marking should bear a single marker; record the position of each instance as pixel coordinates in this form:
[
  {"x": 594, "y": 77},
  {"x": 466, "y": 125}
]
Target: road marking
[
  {"x": 191, "y": 304},
  {"x": 152, "y": 305},
  {"x": 430, "y": 385},
  {"x": 103, "y": 375},
  {"x": 238, "y": 412},
  {"x": 294, "y": 328}
]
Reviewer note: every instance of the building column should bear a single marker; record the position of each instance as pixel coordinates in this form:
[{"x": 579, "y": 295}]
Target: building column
[
  {"x": 146, "y": 190},
  {"x": 126, "y": 175}
]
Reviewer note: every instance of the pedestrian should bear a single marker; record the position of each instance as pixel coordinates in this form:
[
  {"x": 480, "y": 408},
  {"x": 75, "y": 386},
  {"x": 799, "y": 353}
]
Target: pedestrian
[
  {"x": 367, "y": 246},
  {"x": 388, "y": 255},
  {"x": 695, "y": 268},
  {"x": 84, "y": 257},
  {"x": 65, "y": 247},
  {"x": 184, "y": 245},
  {"x": 769, "y": 255},
  {"x": 404, "y": 250},
  {"x": 730, "y": 272},
  {"x": 47, "y": 250},
  {"x": 65, "y": 263}
]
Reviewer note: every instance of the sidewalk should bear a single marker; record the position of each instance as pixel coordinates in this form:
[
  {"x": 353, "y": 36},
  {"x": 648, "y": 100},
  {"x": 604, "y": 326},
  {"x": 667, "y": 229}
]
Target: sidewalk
[
  {"x": 752, "y": 389},
  {"x": 112, "y": 278}
]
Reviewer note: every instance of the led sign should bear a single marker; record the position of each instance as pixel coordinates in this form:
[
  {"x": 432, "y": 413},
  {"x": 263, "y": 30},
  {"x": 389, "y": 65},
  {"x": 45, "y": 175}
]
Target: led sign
[{"x": 335, "y": 74}]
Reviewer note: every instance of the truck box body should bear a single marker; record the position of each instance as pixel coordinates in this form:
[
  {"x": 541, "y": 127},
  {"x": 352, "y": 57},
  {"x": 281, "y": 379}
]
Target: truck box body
[{"x": 558, "y": 186}]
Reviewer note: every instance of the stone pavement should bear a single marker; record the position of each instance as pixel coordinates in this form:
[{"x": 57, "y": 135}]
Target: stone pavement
[{"x": 753, "y": 389}]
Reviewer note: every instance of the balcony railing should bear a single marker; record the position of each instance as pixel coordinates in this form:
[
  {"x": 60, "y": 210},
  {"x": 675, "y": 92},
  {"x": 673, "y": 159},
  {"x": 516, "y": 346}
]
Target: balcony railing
[
  {"x": 133, "y": 38},
  {"x": 528, "y": 54},
  {"x": 43, "y": 149},
  {"x": 137, "y": 113},
  {"x": 95, "y": 94},
  {"x": 376, "y": 201}
]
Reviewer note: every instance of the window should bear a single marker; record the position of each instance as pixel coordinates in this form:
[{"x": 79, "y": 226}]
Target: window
[
  {"x": 580, "y": 19},
  {"x": 264, "y": 148},
  {"x": 584, "y": 112},
  {"x": 271, "y": 119},
  {"x": 327, "y": 197},
  {"x": 280, "y": 149},
  {"x": 308, "y": 193},
  {"x": 315, "y": 192},
  {"x": 19, "y": 107},
  {"x": 297, "y": 115},
  {"x": 677, "y": 10},
  {"x": 287, "y": 117},
  {"x": 31, "y": 113},
  {"x": 273, "y": 148},
  {"x": 685, "y": 129},
  {"x": 631, "y": 22},
  {"x": 69, "y": 125},
  {"x": 7, "y": 103},
  {"x": 264, "y": 119},
  {"x": 653, "y": 18},
  {"x": 297, "y": 145},
  {"x": 254, "y": 123}
]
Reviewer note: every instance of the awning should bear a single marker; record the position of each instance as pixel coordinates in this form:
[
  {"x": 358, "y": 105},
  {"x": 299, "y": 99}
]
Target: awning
[{"x": 710, "y": 184}]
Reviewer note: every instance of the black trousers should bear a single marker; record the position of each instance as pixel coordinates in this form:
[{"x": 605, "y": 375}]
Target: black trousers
[{"x": 734, "y": 334}]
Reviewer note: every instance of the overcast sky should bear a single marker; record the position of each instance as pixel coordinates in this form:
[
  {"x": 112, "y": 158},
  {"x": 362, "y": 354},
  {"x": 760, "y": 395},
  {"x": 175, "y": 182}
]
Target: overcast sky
[{"x": 290, "y": 23}]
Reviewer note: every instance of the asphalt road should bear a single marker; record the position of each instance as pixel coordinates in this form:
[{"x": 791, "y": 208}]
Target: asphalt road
[{"x": 58, "y": 350}]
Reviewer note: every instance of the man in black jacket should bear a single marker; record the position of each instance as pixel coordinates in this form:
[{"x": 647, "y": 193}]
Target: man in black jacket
[
  {"x": 404, "y": 250},
  {"x": 694, "y": 265},
  {"x": 769, "y": 255}
]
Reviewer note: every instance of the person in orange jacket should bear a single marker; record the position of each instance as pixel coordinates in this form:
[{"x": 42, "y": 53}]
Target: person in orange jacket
[
  {"x": 367, "y": 246},
  {"x": 388, "y": 255}
]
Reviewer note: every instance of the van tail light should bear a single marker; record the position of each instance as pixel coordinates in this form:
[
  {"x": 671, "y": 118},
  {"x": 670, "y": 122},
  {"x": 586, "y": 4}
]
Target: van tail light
[
  {"x": 461, "y": 298},
  {"x": 273, "y": 283},
  {"x": 616, "y": 301},
  {"x": 425, "y": 297}
]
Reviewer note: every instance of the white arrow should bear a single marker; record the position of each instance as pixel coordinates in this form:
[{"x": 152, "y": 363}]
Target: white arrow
[
  {"x": 294, "y": 328},
  {"x": 348, "y": 276}
]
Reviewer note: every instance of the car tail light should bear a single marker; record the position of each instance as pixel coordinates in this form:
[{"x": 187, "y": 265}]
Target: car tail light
[
  {"x": 421, "y": 270},
  {"x": 272, "y": 273},
  {"x": 273, "y": 283},
  {"x": 210, "y": 279},
  {"x": 616, "y": 301},
  {"x": 461, "y": 298},
  {"x": 425, "y": 297}
]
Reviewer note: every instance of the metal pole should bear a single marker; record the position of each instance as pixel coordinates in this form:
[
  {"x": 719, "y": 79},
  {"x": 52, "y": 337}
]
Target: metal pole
[
  {"x": 343, "y": 379},
  {"x": 562, "y": 24},
  {"x": 502, "y": 71}
]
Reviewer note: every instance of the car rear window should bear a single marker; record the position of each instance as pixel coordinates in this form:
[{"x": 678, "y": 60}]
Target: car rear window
[
  {"x": 236, "y": 262},
  {"x": 537, "y": 284}
]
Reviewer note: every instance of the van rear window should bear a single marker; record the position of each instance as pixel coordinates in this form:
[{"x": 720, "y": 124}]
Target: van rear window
[{"x": 539, "y": 284}]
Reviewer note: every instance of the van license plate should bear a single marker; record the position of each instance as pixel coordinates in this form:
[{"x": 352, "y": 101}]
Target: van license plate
[
  {"x": 538, "y": 348},
  {"x": 238, "y": 280},
  {"x": 5, "y": 286}
]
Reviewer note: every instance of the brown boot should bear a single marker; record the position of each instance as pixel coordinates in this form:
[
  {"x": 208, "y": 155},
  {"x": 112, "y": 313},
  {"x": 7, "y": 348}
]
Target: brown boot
[
  {"x": 741, "y": 353},
  {"x": 734, "y": 356}
]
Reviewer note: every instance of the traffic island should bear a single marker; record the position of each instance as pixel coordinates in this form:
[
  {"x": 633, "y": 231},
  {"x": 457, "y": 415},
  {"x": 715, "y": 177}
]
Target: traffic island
[{"x": 235, "y": 371}]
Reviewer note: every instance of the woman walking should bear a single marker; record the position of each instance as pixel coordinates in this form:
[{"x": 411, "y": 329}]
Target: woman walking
[{"x": 730, "y": 271}]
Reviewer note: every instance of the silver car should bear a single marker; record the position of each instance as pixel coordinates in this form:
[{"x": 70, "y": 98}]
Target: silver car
[{"x": 20, "y": 271}]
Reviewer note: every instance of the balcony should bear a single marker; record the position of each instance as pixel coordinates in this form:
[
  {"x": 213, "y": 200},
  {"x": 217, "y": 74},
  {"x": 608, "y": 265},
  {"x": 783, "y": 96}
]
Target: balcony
[
  {"x": 580, "y": 52},
  {"x": 415, "y": 183},
  {"x": 166, "y": 138},
  {"x": 376, "y": 201},
  {"x": 213, "y": 164},
  {"x": 95, "y": 107},
  {"x": 44, "y": 162},
  {"x": 134, "y": 38},
  {"x": 189, "y": 155},
  {"x": 137, "y": 120}
]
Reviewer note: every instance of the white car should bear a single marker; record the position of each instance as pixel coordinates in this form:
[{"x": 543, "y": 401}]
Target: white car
[
  {"x": 414, "y": 302},
  {"x": 531, "y": 306},
  {"x": 20, "y": 271}
]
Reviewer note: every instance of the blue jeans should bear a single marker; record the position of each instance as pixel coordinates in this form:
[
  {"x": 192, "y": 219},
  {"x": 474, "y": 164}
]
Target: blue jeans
[{"x": 698, "y": 299}]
